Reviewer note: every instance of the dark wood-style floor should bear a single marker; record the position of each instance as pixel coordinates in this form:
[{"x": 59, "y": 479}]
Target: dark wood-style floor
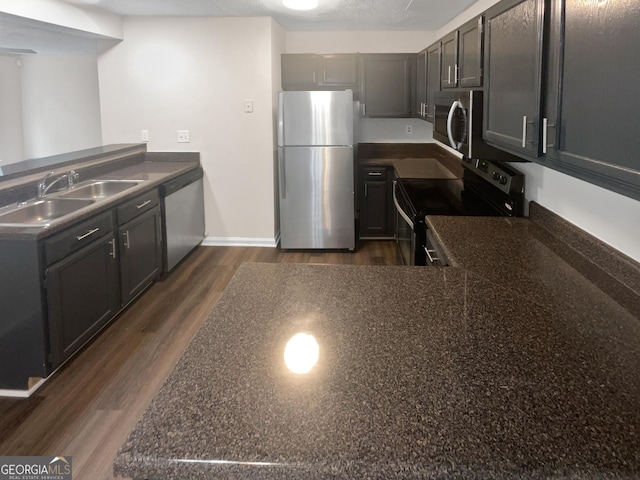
[{"x": 89, "y": 406}]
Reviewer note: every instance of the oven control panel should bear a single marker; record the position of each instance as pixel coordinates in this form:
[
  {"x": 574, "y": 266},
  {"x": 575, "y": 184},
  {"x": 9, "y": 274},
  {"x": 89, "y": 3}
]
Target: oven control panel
[{"x": 500, "y": 176}]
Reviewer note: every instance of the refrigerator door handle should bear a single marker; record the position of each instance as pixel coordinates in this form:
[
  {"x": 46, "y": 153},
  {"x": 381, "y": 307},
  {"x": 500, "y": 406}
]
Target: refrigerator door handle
[
  {"x": 283, "y": 175},
  {"x": 280, "y": 119}
]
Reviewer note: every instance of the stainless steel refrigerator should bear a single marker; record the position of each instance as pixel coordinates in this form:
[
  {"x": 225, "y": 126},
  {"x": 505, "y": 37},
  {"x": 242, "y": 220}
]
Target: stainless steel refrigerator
[{"x": 315, "y": 161}]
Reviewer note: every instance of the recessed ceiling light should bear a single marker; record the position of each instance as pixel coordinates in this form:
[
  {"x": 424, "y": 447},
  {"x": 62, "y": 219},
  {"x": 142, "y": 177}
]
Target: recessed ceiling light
[{"x": 300, "y": 4}]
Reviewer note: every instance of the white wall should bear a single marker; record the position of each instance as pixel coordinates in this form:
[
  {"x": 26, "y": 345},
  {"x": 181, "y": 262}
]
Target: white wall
[
  {"x": 63, "y": 14},
  {"x": 356, "y": 41},
  {"x": 613, "y": 218},
  {"x": 471, "y": 12},
  {"x": 193, "y": 73},
  {"x": 11, "y": 145},
  {"x": 60, "y": 104},
  {"x": 278, "y": 43}
]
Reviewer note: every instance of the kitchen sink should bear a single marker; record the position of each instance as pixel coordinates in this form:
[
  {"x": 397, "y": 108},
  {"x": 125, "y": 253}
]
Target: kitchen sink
[
  {"x": 42, "y": 211},
  {"x": 99, "y": 189}
]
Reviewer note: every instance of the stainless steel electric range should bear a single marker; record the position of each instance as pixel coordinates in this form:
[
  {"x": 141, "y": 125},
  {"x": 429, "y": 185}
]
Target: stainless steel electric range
[{"x": 486, "y": 189}]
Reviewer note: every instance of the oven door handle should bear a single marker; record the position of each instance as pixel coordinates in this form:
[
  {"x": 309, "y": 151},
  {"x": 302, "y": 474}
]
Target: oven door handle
[
  {"x": 454, "y": 106},
  {"x": 400, "y": 211}
]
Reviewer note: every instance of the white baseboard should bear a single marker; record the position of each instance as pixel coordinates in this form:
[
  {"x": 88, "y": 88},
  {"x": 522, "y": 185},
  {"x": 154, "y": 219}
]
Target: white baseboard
[
  {"x": 240, "y": 242},
  {"x": 22, "y": 393}
]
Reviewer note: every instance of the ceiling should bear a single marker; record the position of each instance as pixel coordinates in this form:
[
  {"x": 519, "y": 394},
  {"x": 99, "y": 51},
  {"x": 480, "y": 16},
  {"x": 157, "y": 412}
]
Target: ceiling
[{"x": 331, "y": 15}]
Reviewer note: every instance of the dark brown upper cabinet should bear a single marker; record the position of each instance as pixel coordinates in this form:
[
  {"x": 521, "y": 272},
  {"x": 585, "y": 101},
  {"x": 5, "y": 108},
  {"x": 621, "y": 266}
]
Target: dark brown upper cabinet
[
  {"x": 319, "y": 72},
  {"x": 592, "y": 108},
  {"x": 513, "y": 60},
  {"x": 462, "y": 55},
  {"x": 387, "y": 84}
]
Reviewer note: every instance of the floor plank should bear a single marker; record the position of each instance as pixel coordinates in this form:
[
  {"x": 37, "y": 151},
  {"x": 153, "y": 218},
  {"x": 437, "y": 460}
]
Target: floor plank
[{"x": 89, "y": 406}]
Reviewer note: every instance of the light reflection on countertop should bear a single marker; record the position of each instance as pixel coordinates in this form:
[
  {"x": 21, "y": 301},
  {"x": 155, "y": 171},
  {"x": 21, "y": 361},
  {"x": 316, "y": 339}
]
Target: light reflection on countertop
[{"x": 301, "y": 353}]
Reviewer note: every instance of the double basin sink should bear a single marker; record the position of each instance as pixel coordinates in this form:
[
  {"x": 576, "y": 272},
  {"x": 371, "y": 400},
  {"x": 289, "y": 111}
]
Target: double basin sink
[{"x": 42, "y": 211}]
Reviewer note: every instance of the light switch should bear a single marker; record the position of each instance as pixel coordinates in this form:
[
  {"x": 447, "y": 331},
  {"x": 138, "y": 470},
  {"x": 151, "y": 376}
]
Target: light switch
[
  {"x": 183, "y": 136},
  {"x": 248, "y": 106},
  {"x": 144, "y": 135}
]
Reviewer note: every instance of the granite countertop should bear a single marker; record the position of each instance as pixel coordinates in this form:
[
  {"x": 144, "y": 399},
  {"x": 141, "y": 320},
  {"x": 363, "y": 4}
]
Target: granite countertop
[
  {"x": 422, "y": 373},
  {"x": 151, "y": 174}
]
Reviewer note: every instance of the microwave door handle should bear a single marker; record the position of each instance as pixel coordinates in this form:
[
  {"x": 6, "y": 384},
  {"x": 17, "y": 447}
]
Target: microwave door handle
[{"x": 456, "y": 104}]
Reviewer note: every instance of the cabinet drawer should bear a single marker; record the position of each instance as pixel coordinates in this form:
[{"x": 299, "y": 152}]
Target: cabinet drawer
[
  {"x": 374, "y": 173},
  {"x": 62, "y": 244},
  {"x": 138, "y": 205}
]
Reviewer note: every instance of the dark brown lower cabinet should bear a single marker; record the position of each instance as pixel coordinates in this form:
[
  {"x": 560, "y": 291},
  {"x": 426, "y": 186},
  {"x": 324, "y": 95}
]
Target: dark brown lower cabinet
[
  {"x": 82, "y": 296},
  {"x": 141, "y": 253},
  {"x": 375, "y": 202}
]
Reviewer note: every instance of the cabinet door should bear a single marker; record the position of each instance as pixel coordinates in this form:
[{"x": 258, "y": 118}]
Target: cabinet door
[
  {"x": 82, "y": 296},
  {"x": 375, "y": 202},
  {"x": 449, "y": 78},
  {"x": 386, "y": 85},
  {"x": 593, "y": 106},
  {"x": 298, "y": 70},
  {"x": 513, "y": 69},
  {"x": 339, "y": 70},
  {"x": 421, "y": 84},
  {"x": 140, "y": 252},
  {"x": 433, "y": 78},
  {"x": 470, "y": 53}
]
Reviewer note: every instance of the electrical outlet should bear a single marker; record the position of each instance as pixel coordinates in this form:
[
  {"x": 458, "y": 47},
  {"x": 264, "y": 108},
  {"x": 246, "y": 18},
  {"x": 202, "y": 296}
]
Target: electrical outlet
[
  {"x": 408, "y": 129},
  {"x": 248, "y": 106},
  {"x": 183, "y": 136},
  {"x": 144, "y": 135}
]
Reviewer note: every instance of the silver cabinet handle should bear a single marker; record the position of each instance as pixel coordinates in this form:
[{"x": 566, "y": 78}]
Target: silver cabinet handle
[
  {"x": 375, "y": 174},
  {"x": 112, "y": 253},
  {"x": 545, "y": 127},
  {"x": 126, "y": 239},
  {"x": 455, "y": 74},
  {"x": 449, "y": 76},
  {"x": 90, "y": 232},
  {"x": 143, "y": 204},
  {"x": 525, "y": 122}
]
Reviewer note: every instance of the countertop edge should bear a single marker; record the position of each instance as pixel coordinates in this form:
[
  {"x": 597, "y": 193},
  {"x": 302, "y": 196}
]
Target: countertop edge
[{"x": 39, "y": 232}]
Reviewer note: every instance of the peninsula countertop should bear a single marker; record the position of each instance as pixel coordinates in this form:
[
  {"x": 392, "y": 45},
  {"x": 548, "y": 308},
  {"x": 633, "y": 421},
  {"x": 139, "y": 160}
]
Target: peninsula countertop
[{"x": 422, "y": 373}]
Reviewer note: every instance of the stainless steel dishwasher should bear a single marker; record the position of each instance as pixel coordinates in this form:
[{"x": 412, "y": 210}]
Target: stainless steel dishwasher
[{"x": 183, "y": 212}]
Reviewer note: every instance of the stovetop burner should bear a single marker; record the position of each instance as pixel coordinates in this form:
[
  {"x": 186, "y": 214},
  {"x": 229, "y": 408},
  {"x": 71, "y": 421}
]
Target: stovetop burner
[{"x": 485, "y": 190}]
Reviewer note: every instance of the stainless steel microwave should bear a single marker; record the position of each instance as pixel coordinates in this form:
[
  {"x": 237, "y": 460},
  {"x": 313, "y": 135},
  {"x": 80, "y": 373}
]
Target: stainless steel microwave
[{"x": 458, "y": 124}]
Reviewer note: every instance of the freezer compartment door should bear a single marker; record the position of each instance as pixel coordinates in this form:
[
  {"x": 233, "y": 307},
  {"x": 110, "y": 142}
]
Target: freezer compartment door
[
  {"x": 316, "y": 197},
  {"x": 315, "y": 118}
]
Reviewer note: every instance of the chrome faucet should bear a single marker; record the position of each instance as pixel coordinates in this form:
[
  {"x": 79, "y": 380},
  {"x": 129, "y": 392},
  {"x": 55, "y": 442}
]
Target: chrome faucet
[{"x": 43, "y": 188}]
